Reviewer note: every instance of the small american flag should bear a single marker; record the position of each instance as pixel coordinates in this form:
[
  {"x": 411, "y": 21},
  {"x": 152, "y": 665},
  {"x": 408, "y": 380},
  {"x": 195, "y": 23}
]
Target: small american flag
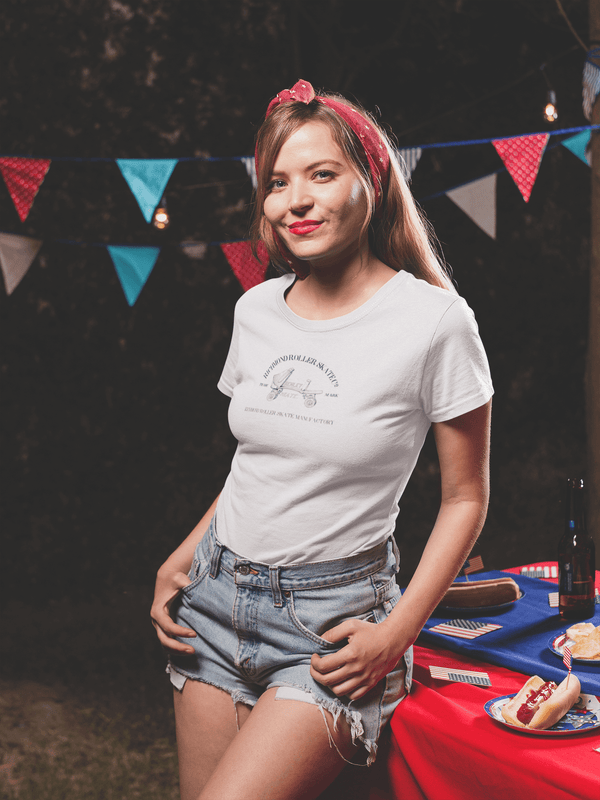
[
  {"x": 464, "y": 628},
  {"x": 472, "y": 565},
  {"x": 460, "y": 675},
  {"x": 567, "y": 657}
]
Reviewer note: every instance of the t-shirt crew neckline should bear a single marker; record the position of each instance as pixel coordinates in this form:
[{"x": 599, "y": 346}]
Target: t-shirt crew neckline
[{"x": 337, "y": 322}]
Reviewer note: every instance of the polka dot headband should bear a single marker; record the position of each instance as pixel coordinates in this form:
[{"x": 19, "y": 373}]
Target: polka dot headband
[{"x": 375, "y": 150}]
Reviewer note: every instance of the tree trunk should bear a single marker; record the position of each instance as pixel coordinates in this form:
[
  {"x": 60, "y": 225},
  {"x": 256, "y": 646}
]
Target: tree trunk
[{"x": 593, "y": 353}]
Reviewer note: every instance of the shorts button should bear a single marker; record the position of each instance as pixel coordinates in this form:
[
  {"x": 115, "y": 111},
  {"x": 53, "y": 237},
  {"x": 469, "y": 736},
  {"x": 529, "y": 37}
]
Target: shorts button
[
  {"x": 244, "y": 569},
  {"x": 287, "y": 594}
]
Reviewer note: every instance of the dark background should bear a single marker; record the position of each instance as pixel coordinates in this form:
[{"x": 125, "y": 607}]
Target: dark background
[{"x": 113, "y": 435}]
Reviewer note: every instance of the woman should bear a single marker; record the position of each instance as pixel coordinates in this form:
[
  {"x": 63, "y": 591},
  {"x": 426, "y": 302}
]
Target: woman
[{"x": 336, "y": 370}]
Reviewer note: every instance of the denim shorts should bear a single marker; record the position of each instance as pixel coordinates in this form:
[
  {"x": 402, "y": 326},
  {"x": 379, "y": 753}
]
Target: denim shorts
[{"x": 257, "y": 627}]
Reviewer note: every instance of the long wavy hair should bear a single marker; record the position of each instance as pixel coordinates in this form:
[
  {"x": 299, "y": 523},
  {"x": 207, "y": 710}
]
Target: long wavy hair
[{"x": 398, "y": 232}]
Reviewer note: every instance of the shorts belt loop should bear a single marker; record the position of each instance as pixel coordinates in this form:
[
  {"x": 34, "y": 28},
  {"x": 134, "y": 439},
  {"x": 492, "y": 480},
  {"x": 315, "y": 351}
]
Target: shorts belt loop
[
  {"x": 215, "y": 561},
  {"x": 275, "y": 587}
]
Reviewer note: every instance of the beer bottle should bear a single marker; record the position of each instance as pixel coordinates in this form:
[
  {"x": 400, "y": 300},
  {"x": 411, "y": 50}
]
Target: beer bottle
[{"x": 576, "y": 559}]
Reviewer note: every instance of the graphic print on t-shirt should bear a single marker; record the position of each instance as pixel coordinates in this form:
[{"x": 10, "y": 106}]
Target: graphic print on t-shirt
[
  {"x": 294, "y": 381},
  {"x": 282, "y": 383}
]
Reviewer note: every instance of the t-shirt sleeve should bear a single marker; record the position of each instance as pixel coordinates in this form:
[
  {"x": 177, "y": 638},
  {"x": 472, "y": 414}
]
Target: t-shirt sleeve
[
  {"x": 456, "y": 378},
  {"x": 228, "y": 379}
]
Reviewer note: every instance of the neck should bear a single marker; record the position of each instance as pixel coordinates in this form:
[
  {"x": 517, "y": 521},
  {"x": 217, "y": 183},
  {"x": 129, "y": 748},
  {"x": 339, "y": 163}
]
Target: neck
[{"x": 334, "y": 289}]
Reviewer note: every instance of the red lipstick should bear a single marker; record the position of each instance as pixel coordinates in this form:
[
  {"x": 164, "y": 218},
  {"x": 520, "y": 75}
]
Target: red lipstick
[{"x": 304, "y": 226}]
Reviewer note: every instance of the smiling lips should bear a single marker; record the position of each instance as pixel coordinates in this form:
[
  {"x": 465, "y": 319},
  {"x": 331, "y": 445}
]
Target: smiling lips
[{"x": 304, "y": 226}]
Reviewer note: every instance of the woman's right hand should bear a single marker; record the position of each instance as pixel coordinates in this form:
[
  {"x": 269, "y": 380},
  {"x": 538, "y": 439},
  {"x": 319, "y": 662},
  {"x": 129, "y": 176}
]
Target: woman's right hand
[{"x": 169, "y": 583}]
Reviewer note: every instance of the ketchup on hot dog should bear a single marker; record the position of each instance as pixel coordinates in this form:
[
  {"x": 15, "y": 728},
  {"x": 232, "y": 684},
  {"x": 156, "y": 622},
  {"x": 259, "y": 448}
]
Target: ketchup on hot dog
[{"x": 530, "y": 706}]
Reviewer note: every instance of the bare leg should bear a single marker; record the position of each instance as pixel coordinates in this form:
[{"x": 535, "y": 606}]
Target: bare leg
[
  {"x": 206, "y": 725},
  {"x": 282, "y": 752}
]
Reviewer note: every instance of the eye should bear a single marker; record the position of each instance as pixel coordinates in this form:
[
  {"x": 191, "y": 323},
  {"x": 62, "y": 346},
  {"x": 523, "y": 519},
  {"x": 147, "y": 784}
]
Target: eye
[
  {"x": 323, "y": 174},
  {"x": 275, "y": 184}
]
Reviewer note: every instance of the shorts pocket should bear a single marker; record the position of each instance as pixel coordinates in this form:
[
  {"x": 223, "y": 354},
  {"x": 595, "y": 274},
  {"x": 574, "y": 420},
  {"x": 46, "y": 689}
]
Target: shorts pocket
[
  {"x": 316, "y": 611},
  {"x": 198, "y": 571}
]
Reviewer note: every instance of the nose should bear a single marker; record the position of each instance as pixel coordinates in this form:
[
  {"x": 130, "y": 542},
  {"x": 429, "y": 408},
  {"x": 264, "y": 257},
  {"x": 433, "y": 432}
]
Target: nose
[{"x": 300, "y": 197}]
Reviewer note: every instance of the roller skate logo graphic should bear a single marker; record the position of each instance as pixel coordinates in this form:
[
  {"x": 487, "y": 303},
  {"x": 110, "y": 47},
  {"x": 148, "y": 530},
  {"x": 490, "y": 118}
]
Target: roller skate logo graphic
[{"x": 281, "y": 383}]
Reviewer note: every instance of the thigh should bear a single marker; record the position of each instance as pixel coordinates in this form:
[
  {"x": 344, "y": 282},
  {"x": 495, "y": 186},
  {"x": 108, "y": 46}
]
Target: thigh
[
  {"x": 285, "y": 750},
  {"x": 206, "y": 721}
]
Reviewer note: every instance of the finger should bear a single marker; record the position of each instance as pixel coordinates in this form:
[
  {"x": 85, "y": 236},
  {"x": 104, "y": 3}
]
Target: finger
[
  {"x": 326, "y": 664},
  {"x": 173, "y": 644},
  {"x": 165, "y": 623},
  {"x": 341, "y": 631}
]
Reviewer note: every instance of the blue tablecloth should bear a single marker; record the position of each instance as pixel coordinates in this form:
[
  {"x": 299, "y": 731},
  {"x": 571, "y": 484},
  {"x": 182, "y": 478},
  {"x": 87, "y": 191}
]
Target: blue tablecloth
[{"x": 522, "y": 644}]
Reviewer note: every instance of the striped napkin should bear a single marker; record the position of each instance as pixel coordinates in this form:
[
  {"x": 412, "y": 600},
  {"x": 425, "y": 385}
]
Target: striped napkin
[
  {"x": 464, "y": 628},
  {"x": 460, "y": 675}
]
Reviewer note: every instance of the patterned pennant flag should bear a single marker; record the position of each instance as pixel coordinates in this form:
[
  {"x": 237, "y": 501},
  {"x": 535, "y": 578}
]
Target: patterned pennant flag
[
  {"x": 567, "y": 657},
  {"x": 16, "y": 256},
  {"x": 472, "y": 565},
  {"x": 591, "y": 81},
  {"x": 247, "y": 269},
  {"x": 147, "y": 178},
  {"x": 133, "y": 266},
  {"x": 578, "y": 145},
  {"x": 250, "y": 165},
  {"x": 409, "y": 158},
  {"x": 460, "y": 675},
  {"x": 464, "y": 628},
  {"x": 478, "y": 200},
  {"x": 522, "y": 157},
  {"x": 23, "y": 178}
]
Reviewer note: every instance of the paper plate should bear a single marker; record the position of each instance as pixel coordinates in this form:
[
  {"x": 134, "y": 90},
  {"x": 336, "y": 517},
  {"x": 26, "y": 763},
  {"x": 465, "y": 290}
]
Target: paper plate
[
  {"x": 557, "y": 643},
  {"x": 577, "y": 720}
]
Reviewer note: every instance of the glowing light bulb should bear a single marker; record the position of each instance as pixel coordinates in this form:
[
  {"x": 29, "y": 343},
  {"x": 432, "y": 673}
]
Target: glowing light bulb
[
  {"x": 161, "y": 218},
  {"x": 550, "y": 111}
]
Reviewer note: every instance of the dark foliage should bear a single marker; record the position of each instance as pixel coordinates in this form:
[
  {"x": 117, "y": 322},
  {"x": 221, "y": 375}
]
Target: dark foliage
[{"x": 114, "y": 438}]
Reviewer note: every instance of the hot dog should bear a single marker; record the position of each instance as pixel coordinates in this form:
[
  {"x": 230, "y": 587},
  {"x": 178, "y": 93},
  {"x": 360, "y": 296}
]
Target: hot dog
[
  {"x": 475, "y": 594},
  {"x": 539, "y": 704}
]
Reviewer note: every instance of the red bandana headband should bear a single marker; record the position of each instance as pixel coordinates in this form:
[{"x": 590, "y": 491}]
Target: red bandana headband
[{"x": 376, "y": 152}]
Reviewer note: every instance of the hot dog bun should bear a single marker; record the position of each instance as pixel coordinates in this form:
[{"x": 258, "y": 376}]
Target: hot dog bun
[
  {"x": 475, "y": 594},
  {"x": 549, "y": 711}
]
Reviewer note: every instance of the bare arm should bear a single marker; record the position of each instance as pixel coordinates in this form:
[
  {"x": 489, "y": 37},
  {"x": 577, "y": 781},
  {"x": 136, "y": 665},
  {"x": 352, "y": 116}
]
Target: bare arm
[
  {"x": 373, "y": 651},
  {"x": 171, "y": 578}
]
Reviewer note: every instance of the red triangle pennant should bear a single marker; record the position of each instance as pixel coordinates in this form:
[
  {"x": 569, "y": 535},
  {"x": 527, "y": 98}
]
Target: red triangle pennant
[
  {"x": 522, "y": 157},
  {"x": 23, "y": 178},
  {"x": 247, "y": 269}
]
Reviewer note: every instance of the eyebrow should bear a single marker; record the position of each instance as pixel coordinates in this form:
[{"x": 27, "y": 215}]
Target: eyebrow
[{"x": 315, "y": 164}]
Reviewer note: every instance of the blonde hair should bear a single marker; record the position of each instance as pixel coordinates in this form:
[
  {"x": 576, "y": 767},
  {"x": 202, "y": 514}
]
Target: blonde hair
[{"x": 399, "y": 233}]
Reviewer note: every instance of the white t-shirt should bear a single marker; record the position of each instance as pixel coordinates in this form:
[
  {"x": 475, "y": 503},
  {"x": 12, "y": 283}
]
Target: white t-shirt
[{"x": 330, "y": 415}]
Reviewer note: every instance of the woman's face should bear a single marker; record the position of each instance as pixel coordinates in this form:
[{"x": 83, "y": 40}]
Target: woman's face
[{"x": 315, "y": 201}]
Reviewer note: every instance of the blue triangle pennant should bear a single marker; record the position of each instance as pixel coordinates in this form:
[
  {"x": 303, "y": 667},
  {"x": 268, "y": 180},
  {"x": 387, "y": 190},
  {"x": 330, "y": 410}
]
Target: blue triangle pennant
[
  {"x": 133, "y": 266},
  {"x": 147, "y": 178},
  {"x": 577, "y": 145}
]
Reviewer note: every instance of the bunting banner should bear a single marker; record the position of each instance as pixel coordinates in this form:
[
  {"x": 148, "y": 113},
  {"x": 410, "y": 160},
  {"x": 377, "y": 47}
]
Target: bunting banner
[
  {"x": 591, "y": 81},
  {"x": 578, "y": 145},
  {"x": 147, "y": 178},
  {"x": 250, "y": 165},
  {"x": 23, "y": 178},
  {"x": 16, "y": 256},
  {"x": 246, "y": 268},
  {"x": 522, "y": 157},
  {"x": 133, "y": 266},
  {"x": 409, "y": 158},
  {"x": 478, "y": 201}
]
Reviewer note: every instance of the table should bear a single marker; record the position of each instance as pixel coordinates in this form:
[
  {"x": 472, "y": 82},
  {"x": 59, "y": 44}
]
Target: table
[{"x": 445, "y": 747}]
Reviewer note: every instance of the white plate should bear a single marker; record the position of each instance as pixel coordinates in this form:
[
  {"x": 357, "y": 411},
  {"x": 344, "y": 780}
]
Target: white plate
[
  {"x": 557, "y": 643},
  {"x": 585, "y": 716}
]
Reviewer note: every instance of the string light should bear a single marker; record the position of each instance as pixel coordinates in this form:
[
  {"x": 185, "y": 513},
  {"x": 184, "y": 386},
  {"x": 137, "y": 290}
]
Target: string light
[
  {"x": 550, "y": 110},
  {"x": 161, "y": 218}
]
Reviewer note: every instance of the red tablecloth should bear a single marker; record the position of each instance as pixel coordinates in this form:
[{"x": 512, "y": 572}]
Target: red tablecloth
[{"x": 445, "y": 747}]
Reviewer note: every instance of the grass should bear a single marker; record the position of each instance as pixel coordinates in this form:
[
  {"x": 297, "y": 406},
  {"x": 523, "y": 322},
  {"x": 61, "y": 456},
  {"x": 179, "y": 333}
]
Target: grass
[{"x": 85, "y": 707}]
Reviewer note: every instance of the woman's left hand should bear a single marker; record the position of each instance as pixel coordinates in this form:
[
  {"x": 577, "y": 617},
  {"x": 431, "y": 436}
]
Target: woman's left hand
[{"x": 371, "y": 653}]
